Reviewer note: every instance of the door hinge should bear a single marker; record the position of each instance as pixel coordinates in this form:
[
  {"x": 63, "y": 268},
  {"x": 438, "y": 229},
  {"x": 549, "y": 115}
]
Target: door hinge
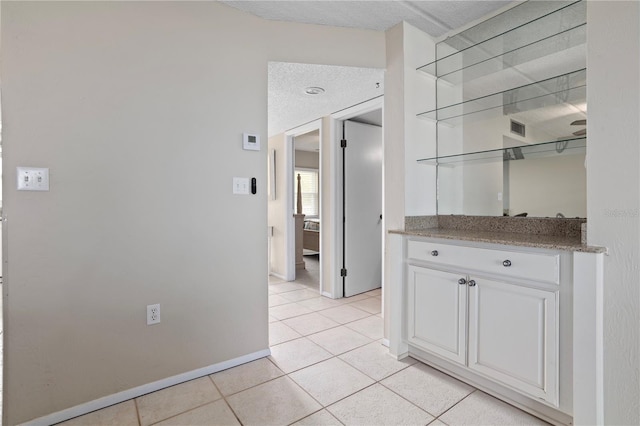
[
  {"x": 343, "y": 272},
  {"x": 343, "y": 143}
]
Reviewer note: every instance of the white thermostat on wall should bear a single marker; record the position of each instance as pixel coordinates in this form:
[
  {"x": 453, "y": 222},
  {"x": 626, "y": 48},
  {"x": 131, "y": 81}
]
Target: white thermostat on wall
[{"x": 251, "y": 142}]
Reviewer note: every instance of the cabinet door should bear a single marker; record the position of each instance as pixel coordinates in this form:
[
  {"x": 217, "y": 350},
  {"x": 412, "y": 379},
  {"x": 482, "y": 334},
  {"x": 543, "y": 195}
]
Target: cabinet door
[
  {"x": 437, "y": 312},
  {"x": 513, "y": 336}
]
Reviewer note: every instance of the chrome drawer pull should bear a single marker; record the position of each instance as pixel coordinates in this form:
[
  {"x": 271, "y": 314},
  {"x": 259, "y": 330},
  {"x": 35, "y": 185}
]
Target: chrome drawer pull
[
  {"x": 462, "y": 281},
  {"x": 506, "y": 263},
  {"x": 434, "y": 253},
  {"x": 472, "y": 283}
]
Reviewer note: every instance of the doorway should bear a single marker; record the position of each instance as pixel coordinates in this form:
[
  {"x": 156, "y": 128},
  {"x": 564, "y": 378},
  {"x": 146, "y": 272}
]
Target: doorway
[
  {"x": 306, "y": 202},
  {"x": 289, "y": 103},
  {"x": 300, "y": 145}
]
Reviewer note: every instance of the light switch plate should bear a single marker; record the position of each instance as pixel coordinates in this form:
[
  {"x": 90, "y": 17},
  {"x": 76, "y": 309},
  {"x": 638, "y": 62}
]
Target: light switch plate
[
  {"x": 241, "y": 185},
  {"x": 33, "y": 179}
]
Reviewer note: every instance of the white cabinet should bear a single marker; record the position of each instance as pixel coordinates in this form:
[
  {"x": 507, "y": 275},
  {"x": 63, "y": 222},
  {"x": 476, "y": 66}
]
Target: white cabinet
[
  {"x": 503, "y": 328},
  {"x": 513, "y": 336},
  {"x": 542, "y": 267},
  {"x": 437, "y": 312}
]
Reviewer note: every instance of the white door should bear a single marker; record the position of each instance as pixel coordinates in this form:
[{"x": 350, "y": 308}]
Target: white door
[
  {"x": 363, "y": 208},
  {"x": 437, "y": 309},
  {"x": 513, "y": 336}
]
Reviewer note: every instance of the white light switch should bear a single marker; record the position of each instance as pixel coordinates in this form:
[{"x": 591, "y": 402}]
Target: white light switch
[
  {"x": 33, "y": 179},
  {"x": 240, "y": 185}
]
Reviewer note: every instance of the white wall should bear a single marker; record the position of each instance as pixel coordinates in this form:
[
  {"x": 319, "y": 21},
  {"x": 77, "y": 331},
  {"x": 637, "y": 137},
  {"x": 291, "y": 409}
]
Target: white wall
[
  {"x": 613, "y": 199},
  {"x": 277, "y": 209},
  {"x": 482, "y": 183},
  {"x": 420, "y": 135},
  {"x": 408, "y": 187},
  {"x": 138, "y": 109},
  {"x": 545, "y": 186}
]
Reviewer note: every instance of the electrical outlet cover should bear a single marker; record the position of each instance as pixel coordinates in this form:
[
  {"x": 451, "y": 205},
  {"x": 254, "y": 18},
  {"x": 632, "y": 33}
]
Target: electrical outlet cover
[{"x": 153, "y": 314}]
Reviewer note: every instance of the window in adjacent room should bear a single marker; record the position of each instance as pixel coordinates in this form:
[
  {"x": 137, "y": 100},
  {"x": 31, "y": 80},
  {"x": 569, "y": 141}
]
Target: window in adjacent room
[{"x": 309, "y": 185}]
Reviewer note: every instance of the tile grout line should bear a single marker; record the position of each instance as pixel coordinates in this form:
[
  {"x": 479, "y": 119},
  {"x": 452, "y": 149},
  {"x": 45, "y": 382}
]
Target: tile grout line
[
  {"x": 324, "y": 407},
  {"x": 372, "y": 378},
  {"x": 406, "y": 399},
  {"x": 193, "y": 408},
  {"x": 224, "y": 398},
  {"x": 450, "y": 408},
  {"x": 327, "y": 350},
  {"x": 319, "y": 313},
  {"x": 135, "y": 404},
  {"x": 375, "y": 381},
  {"x": 187, "y": 411}
]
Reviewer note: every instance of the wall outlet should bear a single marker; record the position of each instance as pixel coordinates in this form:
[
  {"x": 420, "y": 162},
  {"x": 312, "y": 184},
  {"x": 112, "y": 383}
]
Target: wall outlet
[{"x": 153, "y": 314}]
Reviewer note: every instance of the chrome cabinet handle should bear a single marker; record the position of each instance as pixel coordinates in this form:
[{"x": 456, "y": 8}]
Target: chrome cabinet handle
[
  {"x": 462, "y": 281},
  {"x": 506, "y": 263},
  {"x": 472, "y": 283},
  {"x": 434, "y": 253}
]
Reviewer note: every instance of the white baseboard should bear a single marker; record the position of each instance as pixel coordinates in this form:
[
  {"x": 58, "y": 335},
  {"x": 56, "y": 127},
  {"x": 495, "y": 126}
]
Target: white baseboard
[
  {"x": 119, "y": 397},
  {"x": 385, "y": 342},
  {"x": 282, "y": 277}
]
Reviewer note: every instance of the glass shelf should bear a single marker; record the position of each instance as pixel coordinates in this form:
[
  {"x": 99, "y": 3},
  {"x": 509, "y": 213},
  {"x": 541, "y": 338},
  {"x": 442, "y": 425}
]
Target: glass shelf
[
  {"x": 509, "y": 39},
  {"x": 566, "y": 88},
  {"x": 510, "y": 88},
  {"x": 574, "y": 38},
  {"x": 515, "y": 153}
]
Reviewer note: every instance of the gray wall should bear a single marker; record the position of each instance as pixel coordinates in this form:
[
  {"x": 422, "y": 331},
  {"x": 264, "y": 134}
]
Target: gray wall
[
  {"x": 138, "y": 110},
  {"x": 307, "y": 160}
]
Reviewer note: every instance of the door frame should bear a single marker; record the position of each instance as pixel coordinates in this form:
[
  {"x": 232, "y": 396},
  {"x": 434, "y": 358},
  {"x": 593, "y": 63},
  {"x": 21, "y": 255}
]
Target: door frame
[
  {"x": 290, "y": 229},
  {"x": 335, "y": 188}
]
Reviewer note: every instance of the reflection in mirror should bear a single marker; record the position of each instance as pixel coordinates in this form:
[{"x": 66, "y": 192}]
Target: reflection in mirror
[{"x": 511, "y": 114}]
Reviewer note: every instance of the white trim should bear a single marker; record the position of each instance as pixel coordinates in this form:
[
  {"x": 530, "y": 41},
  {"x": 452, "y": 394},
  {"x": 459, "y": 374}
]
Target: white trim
[
  {"x": 282, "y": 277},
  {"x": 385, "y": 342},
  {"x": 398, "y": 346},
  {"x": 290, "y": 255},
  {"x": 116, "y": 398},
  {"x": 588, "y": 338},
  {"x": 336, "y": 190},
  {"x": 289, "y": 228}
]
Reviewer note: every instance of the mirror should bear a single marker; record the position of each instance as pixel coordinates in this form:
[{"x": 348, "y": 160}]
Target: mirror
[{"x": 511, "y": 114}]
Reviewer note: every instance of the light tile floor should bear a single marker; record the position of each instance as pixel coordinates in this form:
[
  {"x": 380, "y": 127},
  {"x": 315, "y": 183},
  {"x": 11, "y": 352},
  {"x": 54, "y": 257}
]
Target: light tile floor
[
  {"x": 1, "y": 350},
  {"x": 327, "y": 367}
]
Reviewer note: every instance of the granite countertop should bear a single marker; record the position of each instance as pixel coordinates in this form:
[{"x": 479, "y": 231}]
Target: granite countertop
[
  {"x": 537, "y": 233},
  {"x": 507, "y": 238}
]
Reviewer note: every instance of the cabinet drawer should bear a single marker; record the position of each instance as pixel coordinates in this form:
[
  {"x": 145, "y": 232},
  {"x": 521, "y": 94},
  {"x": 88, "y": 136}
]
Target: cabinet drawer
[{"x": 531, "y": 266}]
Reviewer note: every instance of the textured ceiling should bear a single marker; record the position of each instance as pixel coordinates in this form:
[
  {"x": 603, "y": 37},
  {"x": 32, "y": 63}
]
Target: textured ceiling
[
  {"x": 433, "y": 17},
  {"x": 290, "y": 107},
  {"x": 308, "y": 142}
]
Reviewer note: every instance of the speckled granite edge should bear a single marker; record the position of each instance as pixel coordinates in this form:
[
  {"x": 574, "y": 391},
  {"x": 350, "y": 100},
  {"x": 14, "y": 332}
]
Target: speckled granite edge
[
  {"x": 519, "y": 225},
  {"x": 548, "y": 233},
  {"x": 551, "y": 242},
  {"x": 420, "y": 222}
]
